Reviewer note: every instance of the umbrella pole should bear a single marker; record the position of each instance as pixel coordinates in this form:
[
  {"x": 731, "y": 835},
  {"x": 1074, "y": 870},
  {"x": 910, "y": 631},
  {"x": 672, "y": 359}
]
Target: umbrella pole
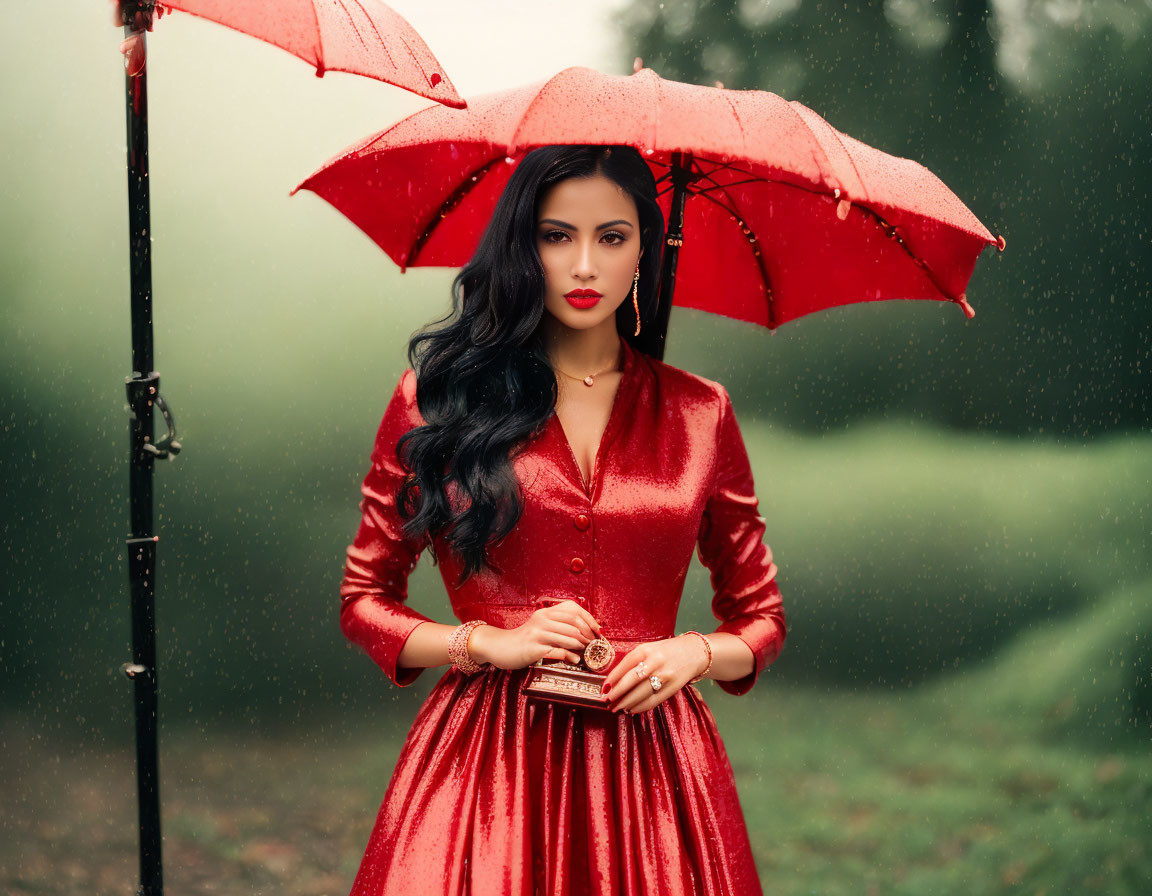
[
  {"x": 681, "y": 174},
  {"x": 143, "y": 389}
]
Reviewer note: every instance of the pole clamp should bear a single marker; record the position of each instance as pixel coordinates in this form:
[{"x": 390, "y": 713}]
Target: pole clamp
[{"x": 142, "y": 392}]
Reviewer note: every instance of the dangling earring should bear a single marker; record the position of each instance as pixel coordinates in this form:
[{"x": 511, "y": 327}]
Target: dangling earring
[{"x": 635, "y": 302}]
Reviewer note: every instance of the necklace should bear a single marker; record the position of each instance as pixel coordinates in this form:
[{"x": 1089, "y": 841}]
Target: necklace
[{"x": 590, "y": 379}]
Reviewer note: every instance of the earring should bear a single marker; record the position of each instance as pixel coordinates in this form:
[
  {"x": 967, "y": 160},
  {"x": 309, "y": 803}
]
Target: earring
[{"x": 635, "y": 302}]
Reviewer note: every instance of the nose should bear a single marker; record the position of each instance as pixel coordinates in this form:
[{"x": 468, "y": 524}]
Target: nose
[{"x": 584, "y": 264}]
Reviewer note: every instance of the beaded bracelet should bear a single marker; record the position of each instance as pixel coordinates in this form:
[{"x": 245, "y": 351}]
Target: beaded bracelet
[
  {"x": 458, "y": 647},
  {"x": 708, "y": 645}
]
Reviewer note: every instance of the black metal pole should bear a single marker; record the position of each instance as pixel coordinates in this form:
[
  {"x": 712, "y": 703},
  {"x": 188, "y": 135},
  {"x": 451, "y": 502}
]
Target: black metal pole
[
  {"x": 654, "y": 340},
  {"x": 143, "y": 388}
]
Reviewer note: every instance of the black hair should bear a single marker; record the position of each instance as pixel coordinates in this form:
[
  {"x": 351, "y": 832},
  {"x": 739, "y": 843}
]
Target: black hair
[{"x": 484, "y": 382}]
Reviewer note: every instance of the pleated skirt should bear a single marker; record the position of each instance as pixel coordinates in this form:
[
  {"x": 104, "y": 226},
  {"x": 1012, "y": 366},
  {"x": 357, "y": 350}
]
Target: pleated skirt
[{"x": 496, "y": 794}]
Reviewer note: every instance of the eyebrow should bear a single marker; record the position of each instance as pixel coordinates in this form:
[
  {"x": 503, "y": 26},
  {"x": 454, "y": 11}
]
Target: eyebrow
[{"x": 574, "y": 227}]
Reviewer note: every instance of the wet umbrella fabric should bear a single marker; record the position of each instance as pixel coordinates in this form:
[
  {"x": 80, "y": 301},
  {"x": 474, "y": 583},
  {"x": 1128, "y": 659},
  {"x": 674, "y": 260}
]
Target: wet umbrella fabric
[
  {"x": 362, "y": 37},
  {"x": 784, "y": 216}
]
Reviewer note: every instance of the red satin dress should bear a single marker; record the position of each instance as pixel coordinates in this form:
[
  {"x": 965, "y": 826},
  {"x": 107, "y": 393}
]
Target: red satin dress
[{"x": 495, "y": 794}]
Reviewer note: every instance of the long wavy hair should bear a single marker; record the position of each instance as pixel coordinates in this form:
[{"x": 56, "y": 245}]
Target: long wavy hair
[{"x": 484, "y": 382}]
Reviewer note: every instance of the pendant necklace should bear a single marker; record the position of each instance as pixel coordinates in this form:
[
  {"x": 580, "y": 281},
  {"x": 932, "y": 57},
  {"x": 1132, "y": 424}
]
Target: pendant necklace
[{"x": 590, "y": 379}]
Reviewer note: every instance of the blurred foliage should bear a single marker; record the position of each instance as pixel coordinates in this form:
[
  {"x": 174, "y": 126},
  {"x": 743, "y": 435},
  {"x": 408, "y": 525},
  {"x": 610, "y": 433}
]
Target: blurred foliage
[
  {"x": 961, "y": 509},
  {"x": 1085, "y": 676},
  {"x": 906, "y": 554},
  {"x": 1038, "y": 115}
]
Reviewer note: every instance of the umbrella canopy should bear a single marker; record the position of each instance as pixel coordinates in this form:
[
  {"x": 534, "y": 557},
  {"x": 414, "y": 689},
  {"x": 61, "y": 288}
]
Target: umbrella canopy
[
  {"x": 363, "y": 37},
  {"x": 785, "y": 215}
]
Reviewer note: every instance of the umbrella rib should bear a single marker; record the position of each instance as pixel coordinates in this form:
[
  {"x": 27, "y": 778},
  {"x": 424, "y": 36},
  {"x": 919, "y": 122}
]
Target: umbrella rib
[
  {"x": 728, "y": 166},
  {"x": 751, "y": 177},
  {"x": 321, "y": 63},
  {"x": 735, "y": 214},
  {"x": 348, "y": 16},
  {"x": 756, "y": 253},
  {"x": 851, "y": 161},
  {"x": 716, "y": 166},
  {"x": 815, "y": 139},
  {"x": 739, "y": 124},
  {"x": 890, "y": 230},
  {"x": 536, "y": 96},
  {"x": 383, "y": 46},
  {"x": 447, "y": 205},
  {"x": 400, "y": 36},
  {"x": 665, "y": 178},
  {"x": 668, "y": 185},
  {"x": 735, "y": 183},
  {"x": 411, "y": 52}
]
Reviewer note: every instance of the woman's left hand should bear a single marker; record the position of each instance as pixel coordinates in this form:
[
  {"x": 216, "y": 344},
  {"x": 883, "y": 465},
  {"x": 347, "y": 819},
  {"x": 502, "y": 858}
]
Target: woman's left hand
[{"x": 675, "y": 660}]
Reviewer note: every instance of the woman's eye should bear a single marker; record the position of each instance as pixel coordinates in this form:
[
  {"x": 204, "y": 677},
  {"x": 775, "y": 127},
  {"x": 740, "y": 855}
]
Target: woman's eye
[{"x": 554, "y": 236}]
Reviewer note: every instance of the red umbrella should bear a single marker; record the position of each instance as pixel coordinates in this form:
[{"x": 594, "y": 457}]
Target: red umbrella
[
  {"x": 790, "y": 213},
  {"x": 361, "y": 36}
]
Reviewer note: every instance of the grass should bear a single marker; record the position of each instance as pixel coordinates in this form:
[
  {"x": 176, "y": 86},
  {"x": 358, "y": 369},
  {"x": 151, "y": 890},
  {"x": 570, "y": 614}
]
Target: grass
[
  {"x": 873, "y": 792},
  {"x": 869, "y": 794}
]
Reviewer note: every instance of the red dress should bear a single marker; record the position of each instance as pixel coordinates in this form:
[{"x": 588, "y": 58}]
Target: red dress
[{"x": 495, "y": 794}]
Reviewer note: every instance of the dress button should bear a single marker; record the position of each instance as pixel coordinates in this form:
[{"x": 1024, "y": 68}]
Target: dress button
[
  {"x": 576, "y": 565},
  {"x": 582, "y": 521}
]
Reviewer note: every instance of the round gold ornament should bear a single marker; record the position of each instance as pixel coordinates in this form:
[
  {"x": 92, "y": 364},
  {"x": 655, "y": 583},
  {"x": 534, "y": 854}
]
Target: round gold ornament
[{"x": 598, "y": 654}]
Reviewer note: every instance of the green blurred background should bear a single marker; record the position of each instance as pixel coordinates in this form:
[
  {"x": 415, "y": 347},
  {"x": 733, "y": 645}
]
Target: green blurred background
[{"x": 959, "y": 508}]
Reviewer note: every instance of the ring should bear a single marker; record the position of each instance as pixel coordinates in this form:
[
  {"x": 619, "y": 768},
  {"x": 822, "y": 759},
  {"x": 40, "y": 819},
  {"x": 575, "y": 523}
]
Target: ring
[
  {"x": 639, "y": 669},
  {"x": 656, "y": 682}
]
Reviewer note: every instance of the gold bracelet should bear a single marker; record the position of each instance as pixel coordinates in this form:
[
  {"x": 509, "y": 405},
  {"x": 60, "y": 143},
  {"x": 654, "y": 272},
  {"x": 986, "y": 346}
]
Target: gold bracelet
[
  {"x": 458, "y": 647},
  {"x": 708, "y": 645}
]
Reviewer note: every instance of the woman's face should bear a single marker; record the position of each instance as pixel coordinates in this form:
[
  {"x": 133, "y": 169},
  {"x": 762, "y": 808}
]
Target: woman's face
[{"x": 588, "y": 237}]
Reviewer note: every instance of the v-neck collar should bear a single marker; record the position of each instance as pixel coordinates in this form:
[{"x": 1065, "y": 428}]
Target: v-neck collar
[{"x": 619, "y": 402}]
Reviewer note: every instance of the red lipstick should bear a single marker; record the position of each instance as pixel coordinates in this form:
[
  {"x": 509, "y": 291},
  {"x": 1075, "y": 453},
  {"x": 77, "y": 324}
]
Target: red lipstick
[{"x": 583, "y": 298}]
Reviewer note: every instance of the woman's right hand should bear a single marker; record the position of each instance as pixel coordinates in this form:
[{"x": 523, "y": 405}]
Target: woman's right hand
[{"x": 558, "y": 631}]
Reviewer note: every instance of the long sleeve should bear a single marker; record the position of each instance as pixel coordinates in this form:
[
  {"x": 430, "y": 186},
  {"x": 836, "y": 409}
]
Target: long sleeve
[
  {"x": 731, "y": 544},
  {"x": 373, "y": 609}
]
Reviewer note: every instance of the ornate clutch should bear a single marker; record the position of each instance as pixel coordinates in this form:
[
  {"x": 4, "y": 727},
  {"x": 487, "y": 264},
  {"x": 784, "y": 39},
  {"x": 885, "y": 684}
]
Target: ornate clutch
[{"x": 578, "y": 685}]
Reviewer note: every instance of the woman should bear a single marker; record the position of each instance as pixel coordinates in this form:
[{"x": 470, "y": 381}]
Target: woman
[{"x": 562, "y": 479}]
